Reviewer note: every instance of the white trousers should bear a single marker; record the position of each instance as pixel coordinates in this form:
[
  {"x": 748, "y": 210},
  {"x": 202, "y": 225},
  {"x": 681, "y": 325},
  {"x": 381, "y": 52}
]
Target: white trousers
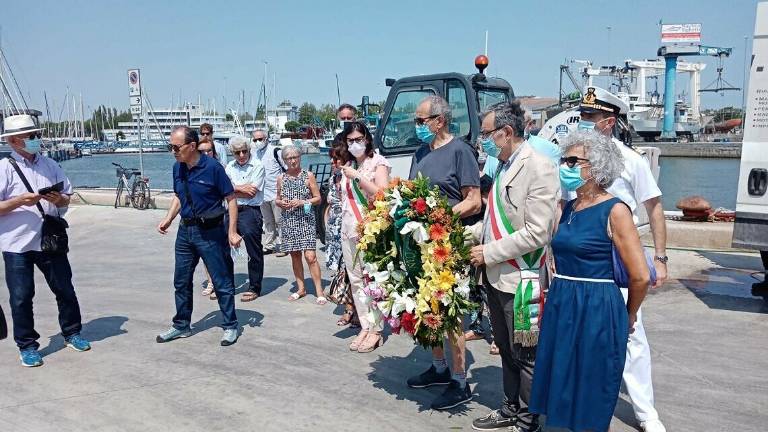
[
  {"x": 271, "y": 214},
  {"x": 637, "y": 370},
  {"x": 355, "y": 274}
]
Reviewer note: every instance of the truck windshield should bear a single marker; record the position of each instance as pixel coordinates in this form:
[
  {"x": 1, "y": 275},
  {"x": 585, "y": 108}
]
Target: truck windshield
[
  {"x": 399, "y": 131},
  {"x": 488, "y": 97}
]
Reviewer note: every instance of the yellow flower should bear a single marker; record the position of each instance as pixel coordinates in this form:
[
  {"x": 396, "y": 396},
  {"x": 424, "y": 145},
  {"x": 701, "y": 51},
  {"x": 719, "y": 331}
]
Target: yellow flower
[{"x": 445, "y": 280}]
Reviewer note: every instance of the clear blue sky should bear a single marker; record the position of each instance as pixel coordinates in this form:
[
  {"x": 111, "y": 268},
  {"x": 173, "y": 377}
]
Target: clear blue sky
[{"x": 189, "y": 47}]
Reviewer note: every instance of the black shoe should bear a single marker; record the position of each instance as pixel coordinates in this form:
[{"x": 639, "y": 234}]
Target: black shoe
[
  {"x": 453, "y": 396},
  {"x": 430, "y": 378},
  {"x": 760, "y": 289},
  {"x": 495, "y": 420},
  {"x": 268, "y": 251}
]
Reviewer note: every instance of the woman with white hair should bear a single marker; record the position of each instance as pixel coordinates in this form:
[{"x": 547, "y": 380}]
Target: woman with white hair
[
  {"x": 297, "y": 192},
  {"x": 585, "y": 323}
]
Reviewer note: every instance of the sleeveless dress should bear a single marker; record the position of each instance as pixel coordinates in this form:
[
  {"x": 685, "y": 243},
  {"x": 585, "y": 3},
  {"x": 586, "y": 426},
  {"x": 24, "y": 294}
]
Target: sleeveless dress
[
  {"x": 584, "y": 332},
  {"x": 297, "y": 229}
]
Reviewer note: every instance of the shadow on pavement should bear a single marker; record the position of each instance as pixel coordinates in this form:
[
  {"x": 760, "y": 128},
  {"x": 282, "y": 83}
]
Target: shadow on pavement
[
  {"x": 725, "y": 289},
  {"x": 268, "y": 284},
  {"x": 94, "y": 331},
  {"x": 391, "y": 373},
  {"x": 245, "y": 317}
]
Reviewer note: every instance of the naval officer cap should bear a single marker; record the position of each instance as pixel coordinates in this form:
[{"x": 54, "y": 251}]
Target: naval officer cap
[{"x": 596, "y": 99}]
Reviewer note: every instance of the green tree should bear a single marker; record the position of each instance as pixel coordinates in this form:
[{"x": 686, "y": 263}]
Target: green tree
[
  {"x": 327, "y": 114},
  {"x": 120, "y": 135},
  {"x": 228, "y": 117},
  {"x": 292, "y": 126},
  {"x": 307, "y": 113}
]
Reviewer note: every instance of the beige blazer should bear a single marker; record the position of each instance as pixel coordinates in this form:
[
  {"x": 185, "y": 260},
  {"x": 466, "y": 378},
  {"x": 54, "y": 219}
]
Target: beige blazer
[{"x": 529, "y": 198}]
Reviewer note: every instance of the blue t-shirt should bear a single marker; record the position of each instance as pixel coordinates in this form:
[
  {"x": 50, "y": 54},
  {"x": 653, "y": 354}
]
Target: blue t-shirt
[{"x": 208, "y": 186}]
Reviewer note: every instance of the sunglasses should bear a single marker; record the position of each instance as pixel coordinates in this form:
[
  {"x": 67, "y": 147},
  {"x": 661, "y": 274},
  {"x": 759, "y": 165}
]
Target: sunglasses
[
  {"x": 176, "y": 148},
  {"x": 237, "y": 152},
  {"x": 206, "y": 133},
  {"x": 258, "y": 140},
  {"x": 571, "y": 161},
  {"x": 421, "y": 120},
  {"x": 35, "y": 135}
]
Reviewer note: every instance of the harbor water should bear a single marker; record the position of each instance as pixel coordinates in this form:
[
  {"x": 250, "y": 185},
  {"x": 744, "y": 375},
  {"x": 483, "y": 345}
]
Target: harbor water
[{"x": 714, "y": 179}]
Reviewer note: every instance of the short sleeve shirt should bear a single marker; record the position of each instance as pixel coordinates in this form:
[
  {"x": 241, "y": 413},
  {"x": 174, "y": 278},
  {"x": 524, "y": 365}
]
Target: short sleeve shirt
[
  {"x": 208, "y": 186},
  {"x": 449, "y": 167},
  {"x": 20, "y": 230},
  {"x": 269, "y": 156},
  {"x": 250, "y": 173},
  {"x": 367, "y": 171}
]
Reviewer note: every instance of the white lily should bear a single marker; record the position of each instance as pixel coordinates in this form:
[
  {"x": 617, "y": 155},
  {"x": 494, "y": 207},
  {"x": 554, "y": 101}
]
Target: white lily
[
  {"x": 402, "y": 303},
  {"x": 419, "y": 232},
  {"x": 462, "y": 286},
  {"x": 431, "y": 201},
  {"x": 395, "y": 200}
]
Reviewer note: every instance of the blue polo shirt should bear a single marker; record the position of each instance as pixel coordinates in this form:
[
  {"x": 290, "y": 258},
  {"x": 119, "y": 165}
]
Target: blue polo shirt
[{"x": 208, "y": 186}]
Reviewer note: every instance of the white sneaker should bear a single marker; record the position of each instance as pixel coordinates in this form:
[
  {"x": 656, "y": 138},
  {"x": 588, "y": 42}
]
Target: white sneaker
[{"x": 652, "y": 426}]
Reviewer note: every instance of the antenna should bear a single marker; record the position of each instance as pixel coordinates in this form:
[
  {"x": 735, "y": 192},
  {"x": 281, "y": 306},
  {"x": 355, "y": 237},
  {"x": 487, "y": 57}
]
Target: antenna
[
  {"x": 486, "y": 43},
  {"x": 338, "y": 92}
]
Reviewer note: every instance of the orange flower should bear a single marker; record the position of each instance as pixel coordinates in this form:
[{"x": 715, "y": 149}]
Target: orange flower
[
  {"x": 394, "y": 183},
  {"x": 380, "y": 196},
  {"x": 432, "y": 321},
  {"x": 441, "y": 254},
  {"x": 408, "y": 184},
  {"x": 437, "y": 232}
]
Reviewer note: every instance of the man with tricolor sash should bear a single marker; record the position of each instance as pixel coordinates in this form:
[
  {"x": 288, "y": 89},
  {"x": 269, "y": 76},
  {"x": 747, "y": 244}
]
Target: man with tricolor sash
[{"x": 510, "y": 249}]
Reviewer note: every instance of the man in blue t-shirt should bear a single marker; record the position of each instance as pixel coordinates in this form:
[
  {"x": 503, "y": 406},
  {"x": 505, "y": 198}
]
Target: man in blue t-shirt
[{"x": 200, "y": 184}]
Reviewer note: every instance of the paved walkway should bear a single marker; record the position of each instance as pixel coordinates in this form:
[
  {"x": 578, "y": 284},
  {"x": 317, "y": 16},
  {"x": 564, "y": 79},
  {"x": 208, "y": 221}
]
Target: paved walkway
[{"x": 291, "y": 369}]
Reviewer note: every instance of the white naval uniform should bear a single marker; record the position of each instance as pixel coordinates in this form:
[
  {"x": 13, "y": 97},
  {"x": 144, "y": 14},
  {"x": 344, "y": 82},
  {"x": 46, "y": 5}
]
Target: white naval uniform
[{"x": 635, "y": 186}]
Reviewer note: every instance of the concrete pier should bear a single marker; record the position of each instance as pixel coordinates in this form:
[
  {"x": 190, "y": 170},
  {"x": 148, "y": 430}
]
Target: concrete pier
[
  {"x": 291, "y": 370},
  {"x": 696, "y": 149}
]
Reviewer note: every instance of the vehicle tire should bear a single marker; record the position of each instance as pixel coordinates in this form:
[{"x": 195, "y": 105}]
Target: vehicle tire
[
  {"x": 118, "y": 193},
  {"x": 140, "y": 195}
]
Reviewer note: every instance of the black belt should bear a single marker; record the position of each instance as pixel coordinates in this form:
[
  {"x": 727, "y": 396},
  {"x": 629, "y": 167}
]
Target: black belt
[
  {"x": 202, "y": 222},
  {"x": 243, "y": 207}
]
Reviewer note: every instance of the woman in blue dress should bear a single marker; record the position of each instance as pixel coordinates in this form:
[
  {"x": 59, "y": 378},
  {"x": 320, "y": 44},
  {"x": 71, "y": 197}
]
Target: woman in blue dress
[{"x": 585, "y": 324}]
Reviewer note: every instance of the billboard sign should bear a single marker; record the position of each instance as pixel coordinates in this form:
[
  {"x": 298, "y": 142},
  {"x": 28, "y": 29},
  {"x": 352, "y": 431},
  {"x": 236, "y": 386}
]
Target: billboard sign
[{"x": 680, "y": 33}]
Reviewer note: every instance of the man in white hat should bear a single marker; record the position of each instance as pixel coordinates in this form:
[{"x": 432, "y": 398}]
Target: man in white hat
[
  {"x": 600, "y": 110},
  {"x": 21, "y": 224}
]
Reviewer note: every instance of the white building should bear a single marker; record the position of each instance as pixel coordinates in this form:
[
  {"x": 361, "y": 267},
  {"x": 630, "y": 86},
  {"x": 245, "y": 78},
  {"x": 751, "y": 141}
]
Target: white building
[
  {"x": 158, "y": 124},
  {"x": 278, "y": 117}
]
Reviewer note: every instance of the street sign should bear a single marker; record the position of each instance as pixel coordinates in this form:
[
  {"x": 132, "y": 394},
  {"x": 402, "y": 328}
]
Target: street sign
[
  {"x": 135, "y": 100},
  {"x": 136, "y": 109},
  {"x": 134, "y": 82},
  {"x": 680, "y": 33}
]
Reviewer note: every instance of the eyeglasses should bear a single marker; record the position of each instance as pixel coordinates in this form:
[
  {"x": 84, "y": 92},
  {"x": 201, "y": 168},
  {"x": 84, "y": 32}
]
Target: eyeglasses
[
  {"x": 421, "y": 120},
  {"x": 291, "y": 158},
  {"x": 571, "y": 161},
  {"x": 347, "y": 119},
  {"x": 237, "y": 152},
  {"x": 176, "y": 148},
  {"x": 485, "y": 135},
  {"x": 356, "y": 141},
  {"x": 206, "y": 133},
  {"x": 35, "y": 135},
  {"x": 258, "y": 140}
]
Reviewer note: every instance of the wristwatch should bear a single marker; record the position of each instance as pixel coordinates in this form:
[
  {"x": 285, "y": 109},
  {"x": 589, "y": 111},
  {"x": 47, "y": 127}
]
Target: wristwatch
[{"x": 662, "y": 259}]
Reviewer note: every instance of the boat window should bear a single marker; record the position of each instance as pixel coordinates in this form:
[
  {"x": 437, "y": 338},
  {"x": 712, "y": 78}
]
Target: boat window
[
  {"x": 488, "y": 97},
  {"x": 399, "y": 131},
  {"x": 457, "y": 99}
]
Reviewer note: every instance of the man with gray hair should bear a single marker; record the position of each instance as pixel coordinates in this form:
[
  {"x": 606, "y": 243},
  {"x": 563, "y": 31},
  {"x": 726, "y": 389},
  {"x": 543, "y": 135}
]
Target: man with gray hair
[
  {"x": 510, "y": 249},
  {"x": 247, "y": 175},
  {"x": 270, "y": 159}
]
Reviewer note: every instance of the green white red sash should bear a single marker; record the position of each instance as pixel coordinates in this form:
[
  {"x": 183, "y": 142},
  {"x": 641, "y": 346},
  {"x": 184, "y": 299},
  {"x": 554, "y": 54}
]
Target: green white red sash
[
  {"x": 529, "y": 300},
  {"x": 357, "y": 201}
]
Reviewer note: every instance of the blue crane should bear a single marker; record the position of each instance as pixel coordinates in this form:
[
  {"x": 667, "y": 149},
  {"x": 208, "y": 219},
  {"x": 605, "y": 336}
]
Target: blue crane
[{"x": 670, "y": 54}]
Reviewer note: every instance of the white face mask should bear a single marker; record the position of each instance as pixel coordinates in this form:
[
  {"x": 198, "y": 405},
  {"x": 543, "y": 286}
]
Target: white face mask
[
  {"x": 260, "y": 144},
  {"x": 357, "y": 149}
]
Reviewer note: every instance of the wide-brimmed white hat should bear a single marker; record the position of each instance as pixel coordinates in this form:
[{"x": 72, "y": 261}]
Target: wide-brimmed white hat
[{"x": 19, "y": 124}]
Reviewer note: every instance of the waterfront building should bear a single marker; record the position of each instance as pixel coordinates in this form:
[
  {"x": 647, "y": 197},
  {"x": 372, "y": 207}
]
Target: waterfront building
[{"x": 282, "y": 114}]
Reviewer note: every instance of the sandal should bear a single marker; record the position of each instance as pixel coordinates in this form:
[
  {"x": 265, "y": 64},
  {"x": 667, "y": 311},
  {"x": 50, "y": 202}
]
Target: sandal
[
  {"x": 345, "y": 319},
  {"x": 371, "y": 342},
  {"x": 295, "y": 296},
  {"x": 358, "y": 340},
  {"x": 321, "y": 301},
  {"x": 249, "y": 296},
  {"x": 494, "y": 349},
  {"x": 208, "y": 288},
  {"x": 213, "y": 296}
]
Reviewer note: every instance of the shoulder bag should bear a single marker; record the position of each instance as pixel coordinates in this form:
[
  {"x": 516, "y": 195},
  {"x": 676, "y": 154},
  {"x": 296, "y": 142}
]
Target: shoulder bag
[{"x": 54, "y": 232}]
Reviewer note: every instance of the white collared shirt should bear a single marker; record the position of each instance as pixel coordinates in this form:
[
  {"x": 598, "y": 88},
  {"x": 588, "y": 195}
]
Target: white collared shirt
[{"x": 252, "y": 172}]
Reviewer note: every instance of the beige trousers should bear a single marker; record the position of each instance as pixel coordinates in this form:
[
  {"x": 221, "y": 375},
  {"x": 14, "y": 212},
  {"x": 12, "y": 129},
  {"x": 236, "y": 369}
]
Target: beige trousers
[{"x": 355, "y": 274}]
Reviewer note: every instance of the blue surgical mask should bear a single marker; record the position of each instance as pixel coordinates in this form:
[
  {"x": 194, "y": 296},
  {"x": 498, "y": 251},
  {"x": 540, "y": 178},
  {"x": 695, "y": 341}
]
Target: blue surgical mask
[
  {"x": 570, "y": 178},
  {"x": 587, "y": 125},
  {"x": 424, "y": 134},
  {"x": 32, "y": 146},
  {"x": 490, "y": 148}
]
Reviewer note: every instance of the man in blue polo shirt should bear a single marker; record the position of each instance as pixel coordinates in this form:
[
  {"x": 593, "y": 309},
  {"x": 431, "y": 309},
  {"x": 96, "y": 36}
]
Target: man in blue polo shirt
[{"x": 200, "y": 184}]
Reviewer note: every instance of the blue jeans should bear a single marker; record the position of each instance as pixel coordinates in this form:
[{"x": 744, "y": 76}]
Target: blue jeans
[
  {"x": 20, "y": 278},
  {"x": 212, "y": 245}
]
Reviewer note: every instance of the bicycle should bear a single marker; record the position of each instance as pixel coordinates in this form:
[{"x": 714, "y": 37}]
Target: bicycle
[{"x": 139, "y": 189}]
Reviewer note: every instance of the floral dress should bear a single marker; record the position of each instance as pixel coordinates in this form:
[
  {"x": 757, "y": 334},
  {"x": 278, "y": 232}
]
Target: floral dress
[
  {"x": 333, "y": 228},
  {"x": 297, "y": 228}
]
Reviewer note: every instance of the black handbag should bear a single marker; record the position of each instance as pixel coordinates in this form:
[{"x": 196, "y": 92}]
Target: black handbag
[
  {"x": 54, "y": 232},
  {"x": 3, "y": 325}
]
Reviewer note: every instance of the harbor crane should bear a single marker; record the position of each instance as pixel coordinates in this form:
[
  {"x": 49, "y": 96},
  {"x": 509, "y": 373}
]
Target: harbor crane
[{"x": 670, "y": 54}]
